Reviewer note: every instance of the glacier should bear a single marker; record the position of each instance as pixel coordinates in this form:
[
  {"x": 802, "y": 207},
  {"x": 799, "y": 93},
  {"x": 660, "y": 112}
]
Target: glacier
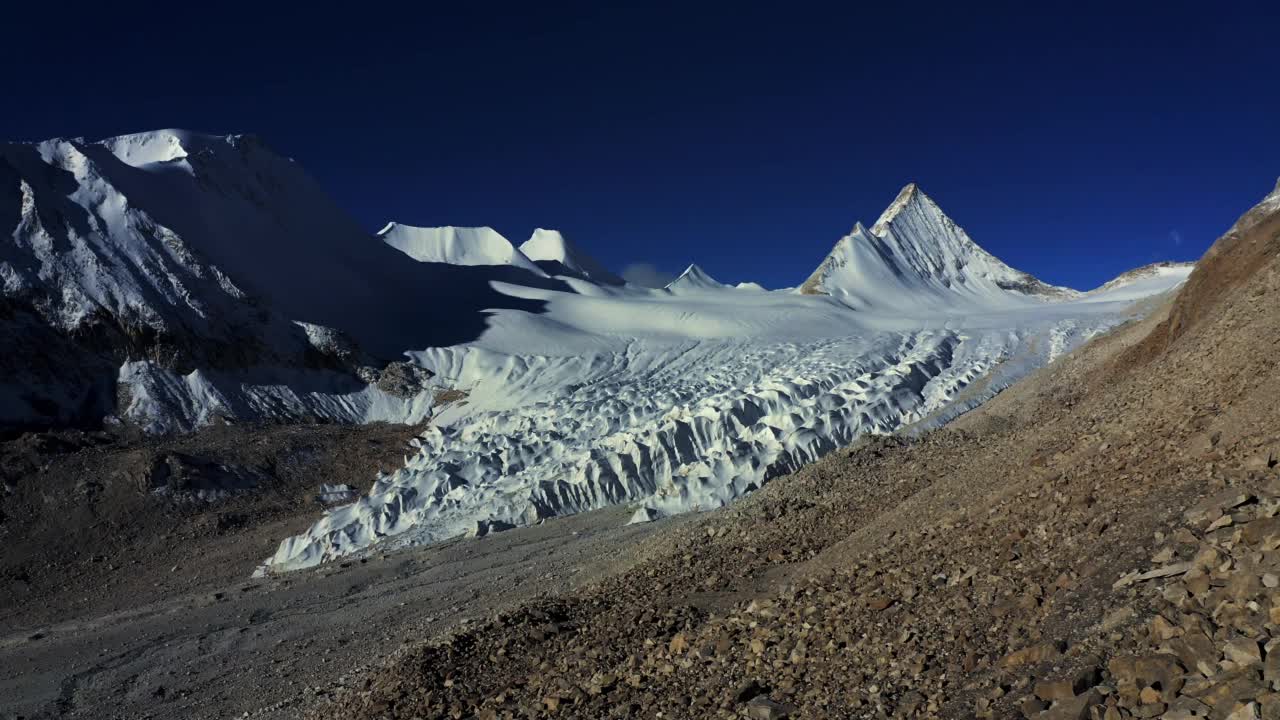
[{"x": 685, "y": 398}]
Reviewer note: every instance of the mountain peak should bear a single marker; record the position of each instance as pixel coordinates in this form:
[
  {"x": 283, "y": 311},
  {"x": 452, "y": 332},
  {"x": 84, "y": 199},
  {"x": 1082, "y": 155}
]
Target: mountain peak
[
  {"x": 553, "y": 252},
  {"x": 915, "y": 255},
  {"x": 694, "y": 278},
  {"x": 908, "y": 197},
  {"x": 456, "y": 245}
]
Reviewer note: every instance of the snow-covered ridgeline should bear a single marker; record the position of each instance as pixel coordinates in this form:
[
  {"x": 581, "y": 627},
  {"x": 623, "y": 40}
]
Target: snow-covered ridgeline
[
  {"x": 173, "y": 277},
  {"x": 916, "y": 257}
]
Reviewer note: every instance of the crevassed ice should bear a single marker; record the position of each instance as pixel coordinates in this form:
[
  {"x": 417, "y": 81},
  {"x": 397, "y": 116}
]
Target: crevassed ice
[{"x": 674, "y": 428}]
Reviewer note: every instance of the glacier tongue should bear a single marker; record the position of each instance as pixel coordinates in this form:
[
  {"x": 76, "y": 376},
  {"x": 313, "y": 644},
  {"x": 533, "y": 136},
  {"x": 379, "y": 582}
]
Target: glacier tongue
[{"x": 680, "y": 423}]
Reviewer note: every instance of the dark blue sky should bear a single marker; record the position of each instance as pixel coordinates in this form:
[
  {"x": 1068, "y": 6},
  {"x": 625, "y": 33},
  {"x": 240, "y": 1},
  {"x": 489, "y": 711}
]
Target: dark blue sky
[{"x": 1073, "y": 143}]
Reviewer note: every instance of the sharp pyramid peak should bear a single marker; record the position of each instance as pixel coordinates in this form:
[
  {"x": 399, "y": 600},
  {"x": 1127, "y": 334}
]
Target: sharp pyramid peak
[
  {"x": 918, "y": 254},
  {"x": 695, "y": 270},
  {"x": 909, "y": 197},
  {"x": 693, "y": 278},
  {"x": 558, "y": 255}
]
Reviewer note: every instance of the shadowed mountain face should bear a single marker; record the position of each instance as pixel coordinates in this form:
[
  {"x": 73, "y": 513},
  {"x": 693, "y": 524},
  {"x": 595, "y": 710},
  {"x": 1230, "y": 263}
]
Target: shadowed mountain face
[{"x": 191, "y": 252}]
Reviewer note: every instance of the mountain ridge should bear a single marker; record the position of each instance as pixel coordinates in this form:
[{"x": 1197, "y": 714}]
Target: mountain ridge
[
  {"x": 915, "y": 248},
  {"x": 556, "y": 255},
  {"x": 173, "y": 277}
]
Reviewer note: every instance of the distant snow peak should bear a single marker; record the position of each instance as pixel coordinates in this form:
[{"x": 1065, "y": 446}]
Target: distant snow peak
[
  {"x": 557, "y": 256},
  {"x": 456, "y": 246},
  {"x": 694, "y": 278},
  {"x": 1146, "y": 272},
  {"x": 142, "y": 149},
  {"x": 916, "y": 257}
]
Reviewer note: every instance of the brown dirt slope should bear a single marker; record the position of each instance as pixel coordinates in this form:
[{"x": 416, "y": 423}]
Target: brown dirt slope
[
  {"x": 93, "y": 522},
  {"x": 988, "y": 569}
]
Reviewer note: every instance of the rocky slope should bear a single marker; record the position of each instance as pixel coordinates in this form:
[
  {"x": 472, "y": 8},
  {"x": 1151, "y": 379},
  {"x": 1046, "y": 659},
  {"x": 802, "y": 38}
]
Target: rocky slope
[
  {"x": 84, "y": 515},
  {"x": 1050, "y": 555}
]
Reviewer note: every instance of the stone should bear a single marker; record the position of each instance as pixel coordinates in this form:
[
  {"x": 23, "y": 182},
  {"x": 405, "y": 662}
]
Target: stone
[
  {"x": 1031, "y": 655},
  {"x": 679, "y": 643},
  {"x": 1269, "y": 706},
  {"x": 1262, "y": 530},
  {"x": 1230, "y": 688},
  {"x": 1214, "y": 506},
  {"x": 1067, "y": 686},
  {"x": 1248, "y": 711},
  {"x": 1165, "y": 571},
  {"x": 1196, "y": 652},
  {"x": 1116, "y": 618},
  {"x": 1243, "y": 652},
  {"x": 763, "y": 707},
  {"x": 1053, "y": 690},
  {"x": 1032, "y": 706},
  {"x": 879, "y": 602},
  {"x": 1134, "y": 672},
  {"x": 1271, "y": 668},
  {"x": 1162, "y": 630},
  {"x": 748, "y": 690},
  {"x": 1188, "y": 705},
  {"x": 1243, "y": 586},
  {"x": 1197, "y": 585},
  {"x": 1074, "y": 708}
]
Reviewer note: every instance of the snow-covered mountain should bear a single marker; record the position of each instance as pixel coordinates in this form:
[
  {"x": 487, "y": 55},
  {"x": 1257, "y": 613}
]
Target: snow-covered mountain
[
  {"x": 171, "y": 278},
  {"x": 916, "y": 258},
  {"x": 1138, "y": 278},
  {"x": 557, "y": 256},
  {"x": 685, "y": 398},
  {"x": 694, "y": 279},
  {"x": 457, "y": 246}
]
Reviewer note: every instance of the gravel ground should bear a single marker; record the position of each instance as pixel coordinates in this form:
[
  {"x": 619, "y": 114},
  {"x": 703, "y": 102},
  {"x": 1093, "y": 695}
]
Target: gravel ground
[
  {"x": 996, "y": 568},
  {"x": 272, "y": 647},
  {"x": 976, "y": 572}
]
